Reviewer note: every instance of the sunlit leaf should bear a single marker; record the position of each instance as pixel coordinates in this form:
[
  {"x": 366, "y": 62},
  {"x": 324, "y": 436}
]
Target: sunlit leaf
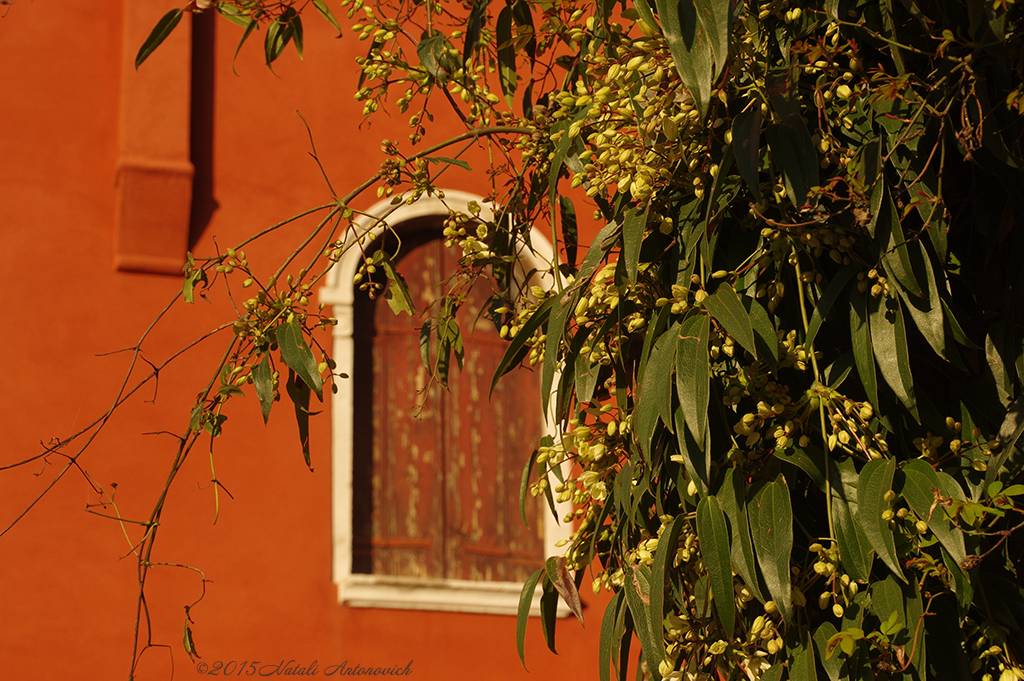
[
  {"x": 263, "y": 381},
  {"x": 693, "y": 373},
  {"x": 875, "y": 480},
  {"x": 297, "y": 355},
  {"x": 727, "y": 309},
  {"x": 159, "y": 33},
  {"x": 523, "y": 614},
  {"x": 714, "y": 548},
  {"x": 772, "y": 527},
  {"x": 325, "y": 11},
  {"x": 889, "y": 340},
  {"x": 299, "y": 393}
]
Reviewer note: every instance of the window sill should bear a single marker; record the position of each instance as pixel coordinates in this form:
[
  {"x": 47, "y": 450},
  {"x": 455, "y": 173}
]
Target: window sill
[{"x": 451, "y": 595}]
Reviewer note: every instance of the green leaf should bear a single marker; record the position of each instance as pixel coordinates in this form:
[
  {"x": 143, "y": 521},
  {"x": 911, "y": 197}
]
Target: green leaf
[
  {"x": 506, "y": 55},
  {"x": 927, "y": 312},
  {"x": 832, "y": 665},
  {"x": 801, "y": 656},
  {"x": 897, "y": 257},
  {"x": 693, "y": 373},
  {"x": 297, "y": 355},
  {"x": 764, "y": 332},
  {"x": 638, "y": 597},
  {"x": 397, "y": 294},
  {"x": 570, "y": 238},
  {"x": 663, "y": 557},
  {"x": 632, "y": 236},
  {"x": 523, "y": 615},
  {"x": 918, "y": 480},
  {"x": 827, "y": 300},
  {"x": 562, "y": 310},
  {"x": 875, "y": 480},
  {"x": 793, "y": 151},
  {"x": 731, "y": 496},
  {"x": 564, "y": 585},
  {"x": 655, "y": 399},
  {"x": 548, "y": 612},
  {"x": 159, "y": 33},
  {"x": 889, "y": 339},
  {"x": 249, "y": 28},
  {"x": 715, "y": 17},
  {"x": 518, "y": 348},
  {"x": 477, "y": 17},
  {"x": 448, "y": 161},
  {"x": 432, "y": 51},
  {"x": 727, "y": 309},
  {"x": 524, "y": 482},
  {"x": 279, "y": 34},
  {"x": 295, "y": 23},
  {"x": 691, "y": 51},
  {"x": 746, "y": 140},
  {"x": 298, "y": 391},
  {"x": 774, "y": 673},
  {"x": 772, "y": 527},
  {"x": 863, "y": 352},
  {"x": 325, "y": 11},
  {"x": 612, "y": 615},
  {"x": 263, "y": 381},
  {"x": 714, "y": 548}
]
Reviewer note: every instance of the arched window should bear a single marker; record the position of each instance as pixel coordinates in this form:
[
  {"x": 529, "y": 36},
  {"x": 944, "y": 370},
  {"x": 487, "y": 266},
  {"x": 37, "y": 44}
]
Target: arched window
[{"x": 426, "y": 481}]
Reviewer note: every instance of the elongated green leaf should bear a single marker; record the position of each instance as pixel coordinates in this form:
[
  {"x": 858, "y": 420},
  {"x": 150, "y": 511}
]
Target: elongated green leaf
[
  {"x": 297, "y": 355},
  {"x": 159, "y": 34},
  {"x": 919, "y": 479},
  {"x": 524, "y": 483},
  {"x": 432, "y": 52},
  {"x": 802, "y": 666},
  {"x": 731, "y": 496},
  {"x": 875, "y": 480},
  {"x": 523, "y": 615},
  {"x": 263, "y": 381},
  {"x": 832, "y": 665},
  {"x": 774, "y": 673},
  {"x": 632, "y": 236},
  {"x": 612, "y": 615},
  {"x": 794, "y": 153},
  {"x": 827, "y": 300},
  {"x": 927, "y": 311},
  {"x": 250, "y": 26},
  {"x": 764, "y": 332},
  {"x": 715, "y": 17},
  {"x": 560, "y": 313},
  {"x": 397, "y": 294},
  {"x": 506, "y": 55},
  {"x": 691, "y": 51},
  {"x": 897, "y": 256},
  {"x": 325, "y": 12},
  {"x": 518, "y": 348},
  {"x": 696, "y": 459},
  {"x": 746, "y": 141},
  {"x": 279, "y": 34},
  {"x": 863, "y": 352},
  {"x": 295, "y": 23},
  {"x": 548, "y": 612},
  {"x": 693, "y": 373},
  {"x": 663, "y": 557},
  {"x": 714, "y": 548},
  {"x": 772, "y": 527},
  {"x": 889, "y": 340},
  {"x": 298, "y": 391},
  {"x": 727, "y": 309},
  {"x": 638, "y": 598},
  {"x": 655, "y": 398}
]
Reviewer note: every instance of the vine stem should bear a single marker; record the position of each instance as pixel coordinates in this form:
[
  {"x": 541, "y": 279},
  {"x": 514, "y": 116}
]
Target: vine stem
[{"x": 818, "y": 385}]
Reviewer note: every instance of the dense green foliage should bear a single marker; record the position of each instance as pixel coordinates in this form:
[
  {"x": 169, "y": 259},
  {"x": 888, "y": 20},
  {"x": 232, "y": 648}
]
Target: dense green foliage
[{"x": 789, "y": 369}]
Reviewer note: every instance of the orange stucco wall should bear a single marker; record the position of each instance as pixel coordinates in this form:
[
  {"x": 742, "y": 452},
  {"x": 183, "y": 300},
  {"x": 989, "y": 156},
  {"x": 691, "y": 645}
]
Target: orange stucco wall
[{"x": 67, "y": 578}]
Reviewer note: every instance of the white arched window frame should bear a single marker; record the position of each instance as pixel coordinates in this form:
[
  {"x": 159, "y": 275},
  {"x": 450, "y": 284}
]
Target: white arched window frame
[{"x": 383, "y": 591}]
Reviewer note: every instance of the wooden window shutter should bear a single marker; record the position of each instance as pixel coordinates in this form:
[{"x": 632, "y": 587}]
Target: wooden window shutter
[{"x": 436, "y": 474}]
